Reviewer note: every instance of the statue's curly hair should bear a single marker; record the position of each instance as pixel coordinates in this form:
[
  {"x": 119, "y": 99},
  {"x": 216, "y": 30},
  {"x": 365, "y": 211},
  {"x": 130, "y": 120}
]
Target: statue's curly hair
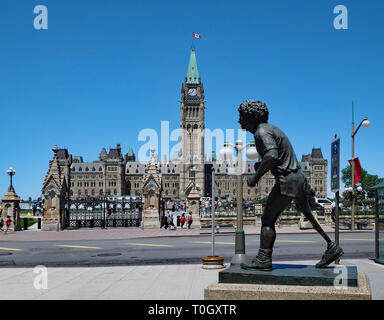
[{"x": 254, "y": 109}]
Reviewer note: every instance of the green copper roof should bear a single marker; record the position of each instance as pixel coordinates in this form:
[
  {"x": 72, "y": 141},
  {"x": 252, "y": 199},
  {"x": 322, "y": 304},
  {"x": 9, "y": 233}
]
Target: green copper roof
[
  {"x": 193, "y": 73},
  {"x": 130, "y": 152}
]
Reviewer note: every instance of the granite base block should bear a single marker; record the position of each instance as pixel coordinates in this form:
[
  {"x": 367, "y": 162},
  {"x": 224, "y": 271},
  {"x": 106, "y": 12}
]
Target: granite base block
[
  {"x": 236, "y": 291},
  {"x": 293, "y": 275}
]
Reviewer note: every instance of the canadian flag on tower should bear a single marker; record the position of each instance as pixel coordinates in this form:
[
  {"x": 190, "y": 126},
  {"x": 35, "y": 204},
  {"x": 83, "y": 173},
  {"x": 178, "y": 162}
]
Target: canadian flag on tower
[{"x": 195, "y": 35}]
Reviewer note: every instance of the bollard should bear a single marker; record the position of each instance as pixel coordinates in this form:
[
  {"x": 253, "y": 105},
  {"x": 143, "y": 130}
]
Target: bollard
[
  {"x": 25, "y": 224},
  {"x": 39, "y": 223}
]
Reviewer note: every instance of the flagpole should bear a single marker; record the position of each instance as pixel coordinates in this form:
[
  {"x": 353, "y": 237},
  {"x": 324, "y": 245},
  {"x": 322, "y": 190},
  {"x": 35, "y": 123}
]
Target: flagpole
[{"x": 353, "y": 169}]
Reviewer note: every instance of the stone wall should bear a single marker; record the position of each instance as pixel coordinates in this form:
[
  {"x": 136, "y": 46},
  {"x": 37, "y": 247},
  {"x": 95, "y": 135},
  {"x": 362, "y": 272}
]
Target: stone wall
[{"x": 285, "y": 221}]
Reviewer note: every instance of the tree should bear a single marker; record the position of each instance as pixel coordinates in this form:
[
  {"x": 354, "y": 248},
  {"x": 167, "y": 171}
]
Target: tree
[
  {"x": 347, "y": 198},
  {"x": 367, "y": 180}
]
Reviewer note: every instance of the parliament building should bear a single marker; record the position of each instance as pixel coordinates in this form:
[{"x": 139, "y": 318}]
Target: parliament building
[{"x": 116, "y": 174}]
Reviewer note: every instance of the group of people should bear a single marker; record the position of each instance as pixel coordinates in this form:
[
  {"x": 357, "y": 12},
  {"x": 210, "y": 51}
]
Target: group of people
[
  {"x": 37, "y": 209},
  {"x": 168, "y": 221}
]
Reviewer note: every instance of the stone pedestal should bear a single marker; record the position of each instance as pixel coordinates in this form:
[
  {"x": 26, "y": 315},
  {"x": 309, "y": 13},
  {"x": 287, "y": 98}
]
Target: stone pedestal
[
  {"x": 152, "y": 194},
  {"x": 290, "y": 282},
  {"x": 193, "y": 206},
  {"x": 258, "y": 214},
  {"x": 52, "y": 208},
  {"x": 11, "y": 208},
  {"x": 151, "y": 218},
  {"x": 327, "y": 214}
]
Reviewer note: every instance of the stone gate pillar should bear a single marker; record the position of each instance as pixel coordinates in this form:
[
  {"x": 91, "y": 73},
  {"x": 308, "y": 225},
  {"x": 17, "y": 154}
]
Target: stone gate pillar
[
  {"x": 11, "y": 208},
  {"x": 54, "y": 190}
]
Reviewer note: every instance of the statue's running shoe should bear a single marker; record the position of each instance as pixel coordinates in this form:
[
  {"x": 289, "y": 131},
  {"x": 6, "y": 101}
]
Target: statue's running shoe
[
  {"x": 330, "y": 255},
  {"x": 262, "y": 262}
]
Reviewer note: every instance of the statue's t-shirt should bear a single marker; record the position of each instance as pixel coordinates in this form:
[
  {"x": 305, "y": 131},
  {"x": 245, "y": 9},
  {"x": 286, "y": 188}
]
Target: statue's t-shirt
[{"x": 289, "y": 177}]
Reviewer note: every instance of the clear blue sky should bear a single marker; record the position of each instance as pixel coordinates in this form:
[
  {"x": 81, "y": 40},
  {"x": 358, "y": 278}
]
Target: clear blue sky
[{"x": 104, "y": 70}]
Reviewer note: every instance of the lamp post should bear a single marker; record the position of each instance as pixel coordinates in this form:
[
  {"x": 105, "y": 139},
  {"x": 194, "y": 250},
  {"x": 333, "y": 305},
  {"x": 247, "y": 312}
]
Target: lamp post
[
  {"x": 365, "y": 123},
  {"x": 213, "y": 261},
  {"x": 194, "y": 170},
  {"x": 226, "y": 154},
  {"x": 11, "y": 172},
  {"x": 353, "y": 190}
]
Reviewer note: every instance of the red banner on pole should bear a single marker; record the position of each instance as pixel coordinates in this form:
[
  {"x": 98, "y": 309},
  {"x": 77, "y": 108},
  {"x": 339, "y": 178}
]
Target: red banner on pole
[{"x": 357, "y": 170}]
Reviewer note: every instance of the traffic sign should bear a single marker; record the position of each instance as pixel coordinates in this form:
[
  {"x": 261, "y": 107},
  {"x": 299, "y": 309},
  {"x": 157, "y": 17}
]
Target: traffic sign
[{"x": 335, "y": 164}]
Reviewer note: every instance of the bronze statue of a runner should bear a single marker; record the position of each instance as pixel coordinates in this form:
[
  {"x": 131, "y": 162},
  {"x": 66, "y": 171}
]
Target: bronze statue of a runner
[{"x": 277, "y": 156}]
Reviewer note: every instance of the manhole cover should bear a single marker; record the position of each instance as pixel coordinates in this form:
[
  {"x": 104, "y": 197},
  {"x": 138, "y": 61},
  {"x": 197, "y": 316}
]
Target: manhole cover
[
  {"x": 109, "y": 254},
  {"x": 6, "y": 253}
]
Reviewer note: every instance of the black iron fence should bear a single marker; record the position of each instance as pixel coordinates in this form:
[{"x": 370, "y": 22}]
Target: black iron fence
[{"x": 106, "y": 212}]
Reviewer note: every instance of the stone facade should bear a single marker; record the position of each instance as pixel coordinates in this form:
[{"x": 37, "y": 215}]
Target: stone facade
[
  {"x": 115, "y": 174},
  {"x": 105, "y": 176},
  {"x": 315, "y": 168}
]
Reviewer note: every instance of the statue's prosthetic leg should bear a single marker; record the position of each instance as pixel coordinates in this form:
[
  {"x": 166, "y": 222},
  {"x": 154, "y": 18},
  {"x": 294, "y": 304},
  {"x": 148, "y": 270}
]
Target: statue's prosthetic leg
[{"x": 333, "y": 252}]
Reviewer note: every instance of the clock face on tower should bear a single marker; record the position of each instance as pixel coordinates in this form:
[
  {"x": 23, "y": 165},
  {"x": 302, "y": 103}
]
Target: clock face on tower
[{"x": 192, "y": 92}]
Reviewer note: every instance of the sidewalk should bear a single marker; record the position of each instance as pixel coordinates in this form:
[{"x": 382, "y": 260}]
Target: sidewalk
[
  {"x": 134, "y": 233},
  {"x": 157, "y": 282}
]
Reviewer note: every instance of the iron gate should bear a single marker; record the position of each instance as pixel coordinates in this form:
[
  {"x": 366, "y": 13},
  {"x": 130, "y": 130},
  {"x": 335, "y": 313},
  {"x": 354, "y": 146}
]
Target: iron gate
[{"x": 107, "y": 212}]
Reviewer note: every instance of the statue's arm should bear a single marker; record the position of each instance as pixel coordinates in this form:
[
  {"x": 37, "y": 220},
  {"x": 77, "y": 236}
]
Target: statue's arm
[{"x": 269, "y": 161}]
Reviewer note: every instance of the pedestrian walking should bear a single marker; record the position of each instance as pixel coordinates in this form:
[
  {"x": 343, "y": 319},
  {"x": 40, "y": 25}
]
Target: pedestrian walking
[
  {"x": 206, "y": 205},
  {"x": 165, "y": 222},
  {"x": 1, "y": 225},
  {"x": 190, "y": 220},
  {"x": 7, "y": 223},
  {"x": 182, "y": 221},
  {"x": 170, "y": 221},
  {"x": 278, "y": 221}
]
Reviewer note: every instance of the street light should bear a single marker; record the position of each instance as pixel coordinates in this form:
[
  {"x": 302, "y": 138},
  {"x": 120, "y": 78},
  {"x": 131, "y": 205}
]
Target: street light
[
  {"x": 353, "y": 197},
  {"x": 226, "y": 154},
  {"x": 365, "y": 123},
  {"x": 194, "y": 170},
  {"x": 11, "y": 172}
]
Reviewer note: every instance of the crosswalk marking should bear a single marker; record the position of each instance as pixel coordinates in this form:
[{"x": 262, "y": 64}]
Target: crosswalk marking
[
  {"x": 295, "y": 241},
  {"x": 11, "y": 249},
  {"x": 210, "y": 242},
  {"x": 79, "y": 247},
  {"x": 358, "y": 239},
  {"x": 149, "y": 245}
]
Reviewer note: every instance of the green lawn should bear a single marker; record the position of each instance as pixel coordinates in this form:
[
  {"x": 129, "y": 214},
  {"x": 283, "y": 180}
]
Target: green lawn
[{"x": 31, "y": 222}]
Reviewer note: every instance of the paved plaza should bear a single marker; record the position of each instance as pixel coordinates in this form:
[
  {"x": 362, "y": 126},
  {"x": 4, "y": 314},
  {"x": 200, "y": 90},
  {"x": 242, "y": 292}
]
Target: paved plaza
[
  {"x": 137, "y": 282},
  {"x": 159, "y": 282}
]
